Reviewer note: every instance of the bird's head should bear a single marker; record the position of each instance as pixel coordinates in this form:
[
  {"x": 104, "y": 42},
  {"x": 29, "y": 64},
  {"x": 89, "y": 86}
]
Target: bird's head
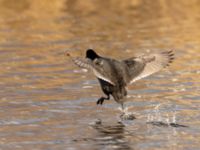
[{"x": 91, "y": 54}]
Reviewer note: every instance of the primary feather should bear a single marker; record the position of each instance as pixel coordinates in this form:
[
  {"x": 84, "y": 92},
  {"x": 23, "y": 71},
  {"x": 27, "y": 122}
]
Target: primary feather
[{"x": 146, "y": 65}]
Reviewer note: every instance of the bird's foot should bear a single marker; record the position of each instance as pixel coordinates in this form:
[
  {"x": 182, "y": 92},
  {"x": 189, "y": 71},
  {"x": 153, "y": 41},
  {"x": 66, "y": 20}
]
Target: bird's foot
[
  {"x": 127, "y": 116},
  {"x": 100, "y": 100}
]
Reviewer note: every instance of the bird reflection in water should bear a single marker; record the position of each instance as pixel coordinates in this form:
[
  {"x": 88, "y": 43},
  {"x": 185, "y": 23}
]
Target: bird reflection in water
[{"x": 111, "y": 136}]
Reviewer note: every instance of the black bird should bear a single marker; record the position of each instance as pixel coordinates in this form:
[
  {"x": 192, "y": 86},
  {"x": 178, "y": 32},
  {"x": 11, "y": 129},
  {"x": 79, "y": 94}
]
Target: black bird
[{"x": 114, "y": 75}]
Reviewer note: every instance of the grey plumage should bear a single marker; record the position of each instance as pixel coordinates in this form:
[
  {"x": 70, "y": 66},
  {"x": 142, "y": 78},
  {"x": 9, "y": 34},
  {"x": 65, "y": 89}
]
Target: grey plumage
[{"x": 114, "y": 75}]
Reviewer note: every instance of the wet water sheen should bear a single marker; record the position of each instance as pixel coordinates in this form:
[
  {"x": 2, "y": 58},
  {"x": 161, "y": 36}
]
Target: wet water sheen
[{"x": 49, "y": 103}]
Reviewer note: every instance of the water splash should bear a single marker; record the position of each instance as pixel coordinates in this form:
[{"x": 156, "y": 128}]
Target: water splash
[
  {"x": 126, "y": 115},
  {"x": 160, "y": 119}
]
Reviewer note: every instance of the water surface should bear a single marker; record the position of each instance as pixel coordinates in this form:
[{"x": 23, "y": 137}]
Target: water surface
[{"x": 49, "y": 103}]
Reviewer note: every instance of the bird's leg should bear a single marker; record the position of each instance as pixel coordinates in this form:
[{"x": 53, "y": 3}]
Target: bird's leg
[
  {"x": 122, "y": 109},
  {"x": 125, "y": 114},
  {"x": 122, "y": 106},
  {"x": 101, "y": 100}
]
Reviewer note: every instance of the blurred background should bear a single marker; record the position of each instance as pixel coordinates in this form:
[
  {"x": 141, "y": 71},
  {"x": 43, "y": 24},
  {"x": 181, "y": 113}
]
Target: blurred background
[{"x": 49, "y": 103}]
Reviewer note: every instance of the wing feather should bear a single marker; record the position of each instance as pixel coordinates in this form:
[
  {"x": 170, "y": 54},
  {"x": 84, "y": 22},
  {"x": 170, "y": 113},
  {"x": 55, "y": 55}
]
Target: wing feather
[
  {"x": 150, "y": 64},
  {"x": 96, "y": 66}
]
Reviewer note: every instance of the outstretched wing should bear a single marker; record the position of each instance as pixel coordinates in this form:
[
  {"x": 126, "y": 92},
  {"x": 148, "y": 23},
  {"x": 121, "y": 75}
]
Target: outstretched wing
[
  {"x": 83, "y": 63},
  {"x": 99, "y": 68},
  {"x": 145, "y": 65}
]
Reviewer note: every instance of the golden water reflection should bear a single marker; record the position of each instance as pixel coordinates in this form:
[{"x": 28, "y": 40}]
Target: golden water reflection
[{"x": 47, "y": 102}]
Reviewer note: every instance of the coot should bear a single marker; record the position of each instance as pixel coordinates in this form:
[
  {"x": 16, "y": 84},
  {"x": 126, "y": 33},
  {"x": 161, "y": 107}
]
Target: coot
[{"x": 114, "y": 75}]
